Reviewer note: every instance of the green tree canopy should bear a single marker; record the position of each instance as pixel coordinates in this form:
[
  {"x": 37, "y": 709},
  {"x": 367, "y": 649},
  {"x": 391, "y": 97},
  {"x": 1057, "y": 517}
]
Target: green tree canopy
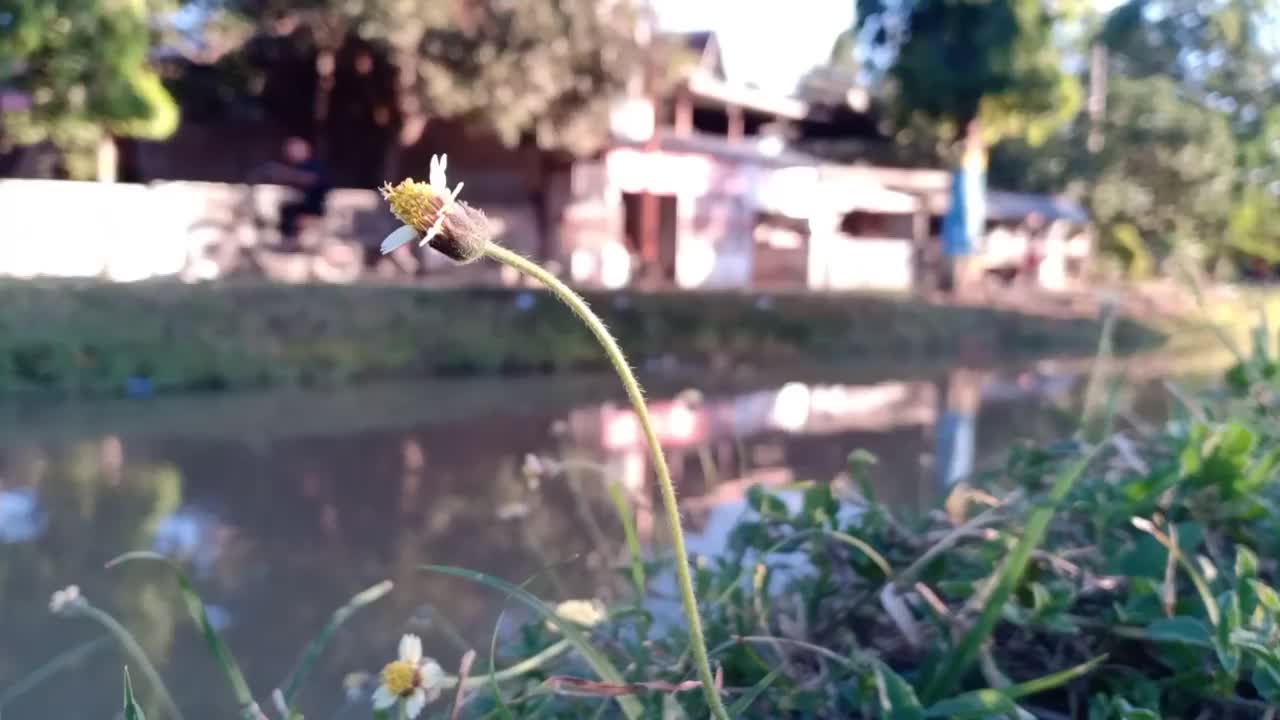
[
  {"x": 1191, "y": 156},
  {"x": 545, "y": 71},
  {"x": 1166, "y": 170},
  {"x": 971, "y": 65},
  {"x": 83, "y": 65},
  {"x": 549, "y": 69}
]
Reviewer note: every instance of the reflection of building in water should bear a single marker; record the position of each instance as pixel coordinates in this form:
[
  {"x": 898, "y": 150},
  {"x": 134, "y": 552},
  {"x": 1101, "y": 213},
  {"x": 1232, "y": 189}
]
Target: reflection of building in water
[
  {"x": 21, "y": 518},
  {"x": 718, "y": 447},
  {"x": 957, "y": 427},
  {"x": 193, "y": 535}
]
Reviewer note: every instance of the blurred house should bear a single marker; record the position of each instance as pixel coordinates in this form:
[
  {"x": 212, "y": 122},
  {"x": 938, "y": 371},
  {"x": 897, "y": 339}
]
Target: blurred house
[{"x": 705, "y": 187}]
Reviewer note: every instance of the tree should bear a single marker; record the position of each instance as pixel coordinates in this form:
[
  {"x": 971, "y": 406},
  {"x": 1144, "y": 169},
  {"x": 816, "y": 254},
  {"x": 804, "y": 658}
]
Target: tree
[
  {"x": 1165, "y": 175},
  {"x": 544, "y": 71},
  {"x": 1191, "y": 158},
  {"x": 969, "y": 73},
  {"x": 1216, "y": 50},
  {"x": 83, "y": 65},
  {"x": 1219, "y": 55}
]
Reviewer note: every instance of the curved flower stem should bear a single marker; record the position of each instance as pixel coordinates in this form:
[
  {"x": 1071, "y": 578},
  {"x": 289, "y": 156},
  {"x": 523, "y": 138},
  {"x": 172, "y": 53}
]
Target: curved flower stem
[
  {"x": 133, "y": 649},
  {"x": 636, "y": 395}
]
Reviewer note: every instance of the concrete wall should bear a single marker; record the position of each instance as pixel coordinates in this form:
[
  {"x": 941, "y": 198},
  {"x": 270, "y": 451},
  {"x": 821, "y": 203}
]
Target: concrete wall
[{"x": 128, "y": 232}]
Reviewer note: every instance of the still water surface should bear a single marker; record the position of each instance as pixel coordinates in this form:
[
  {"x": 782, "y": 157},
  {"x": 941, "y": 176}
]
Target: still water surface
[{"x": 283, "y": 505}]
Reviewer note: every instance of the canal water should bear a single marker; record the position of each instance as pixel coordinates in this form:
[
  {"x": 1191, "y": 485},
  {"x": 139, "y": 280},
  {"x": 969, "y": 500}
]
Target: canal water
[{"x": 283, "y": 505}]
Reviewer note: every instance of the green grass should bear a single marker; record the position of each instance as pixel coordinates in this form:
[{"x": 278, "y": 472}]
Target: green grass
[{"x": 88, "y": 337}]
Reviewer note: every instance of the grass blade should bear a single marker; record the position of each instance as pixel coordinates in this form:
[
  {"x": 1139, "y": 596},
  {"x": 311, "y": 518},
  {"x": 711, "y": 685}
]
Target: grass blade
[
  {"x": 623, "y": 508},
  {"x": 740, "y": 706},
  {"x": 131, "y": 709},
  {"x": 973, "y": 706},
  {"x": 1006, "y": 580},
  {"x": 991, "y": 702},
  {"x": 62, "y": 661},
  {"x": 1053, "y": 680},
  {"x": 318, "y": 643},
  {"x": 598, "y": 662},
  {"x": 1097, "y": 415},
  {"x": 492, "y": 677},
  {"x": 195, "y": 606},
  {"x": 1198, "y": 581},
  {"x": 864, "y": 548}
]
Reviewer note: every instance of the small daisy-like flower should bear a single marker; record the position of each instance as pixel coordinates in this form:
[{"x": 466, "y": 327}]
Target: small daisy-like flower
[
  {"x": 66, "y": 599},
  {"x": 433, "y": 215},
  {"x": 411, "y": 679}
]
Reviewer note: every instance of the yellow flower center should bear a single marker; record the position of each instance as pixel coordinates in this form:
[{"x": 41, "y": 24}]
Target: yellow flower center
[
  {"x": 400, "y": 677},
  {"x": 414, "y": 203}
]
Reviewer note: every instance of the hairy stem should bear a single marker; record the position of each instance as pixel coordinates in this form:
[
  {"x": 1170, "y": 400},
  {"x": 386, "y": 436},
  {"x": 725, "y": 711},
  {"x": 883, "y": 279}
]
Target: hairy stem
[
  {"x": 636, "y": 395},
  {"x": 134, "y": 650}
]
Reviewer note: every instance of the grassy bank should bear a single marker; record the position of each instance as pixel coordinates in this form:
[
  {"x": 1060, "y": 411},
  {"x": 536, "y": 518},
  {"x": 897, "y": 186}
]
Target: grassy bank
[{"x": 100, "y": 338}]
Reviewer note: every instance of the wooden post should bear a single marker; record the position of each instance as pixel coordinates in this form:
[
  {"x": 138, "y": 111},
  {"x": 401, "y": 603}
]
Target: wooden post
[
  {"x": 684, "y": 114},
  {"x": 920, "y": 241},
  {"x": 737, "y": 123}
]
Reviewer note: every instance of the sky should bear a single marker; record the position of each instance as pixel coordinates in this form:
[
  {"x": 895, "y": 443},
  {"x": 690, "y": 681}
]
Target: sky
[{"x": 774, "y": 43}]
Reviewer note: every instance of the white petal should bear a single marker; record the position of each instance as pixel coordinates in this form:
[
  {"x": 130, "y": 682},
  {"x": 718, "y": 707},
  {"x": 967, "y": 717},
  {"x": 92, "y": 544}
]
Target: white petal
[
  {"x": 430, "y": 675},
  {"x": 413, "y": 706},
  {"x": 411, "y": 649},
  {"x": 398, "y": 237},
  {"x": 383, "y": 698},
  {"x": 438, "y": 165},
  {"x": 436, "y": 226}
]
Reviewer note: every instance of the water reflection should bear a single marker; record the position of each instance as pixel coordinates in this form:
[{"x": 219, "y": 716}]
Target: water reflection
[{"x": 279, "y": 528}]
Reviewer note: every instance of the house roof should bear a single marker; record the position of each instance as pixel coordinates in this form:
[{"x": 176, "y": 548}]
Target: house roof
[
  {"x": 715, "y": 80},
  {"x": 1003, "y": 205},
  {"x": 721, "y": 147}
]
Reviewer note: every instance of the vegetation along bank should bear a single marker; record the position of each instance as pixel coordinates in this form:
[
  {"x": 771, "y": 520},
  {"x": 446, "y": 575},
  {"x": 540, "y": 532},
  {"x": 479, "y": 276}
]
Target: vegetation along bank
[{"x": 153, "y": 337}]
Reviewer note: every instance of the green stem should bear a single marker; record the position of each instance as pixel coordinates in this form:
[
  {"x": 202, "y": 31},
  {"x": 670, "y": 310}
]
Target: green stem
[
  {"x": 683, "y": 578},
  {"x": 134, "y": 650},
  {"x": 524, "y": 666}
]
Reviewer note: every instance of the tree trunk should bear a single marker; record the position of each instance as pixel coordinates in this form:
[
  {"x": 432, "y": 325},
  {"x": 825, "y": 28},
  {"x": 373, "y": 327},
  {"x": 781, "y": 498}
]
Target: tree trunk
[
  {"x": 108, "y": 159},
  {"x": 326, "y": 64},
  {"x": 412, "y": 119}
]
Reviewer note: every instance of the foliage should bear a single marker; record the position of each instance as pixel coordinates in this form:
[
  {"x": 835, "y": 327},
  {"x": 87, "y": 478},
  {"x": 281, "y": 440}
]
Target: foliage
[
  {"x": 546, "y": 69},
  {"x": 957, "y": 62},
  {"x": 1217, "y": 51},
  {"x": 91, "y": 338},
  {"x": 1190, "y": 135},
  {"x": 1178, "y": 189},
  {"x": 83, "y": 64},
  {"x": 514, "y": 71}
]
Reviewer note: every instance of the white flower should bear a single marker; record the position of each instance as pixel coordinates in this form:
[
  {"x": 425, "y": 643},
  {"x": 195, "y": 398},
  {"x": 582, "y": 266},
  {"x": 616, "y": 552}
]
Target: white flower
[
  {"x": 587, "y": 613},
  {"x": 63, "y": 600},
  {"x": 412, "y": 679},
  {"x": 422, "y": 207}
]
